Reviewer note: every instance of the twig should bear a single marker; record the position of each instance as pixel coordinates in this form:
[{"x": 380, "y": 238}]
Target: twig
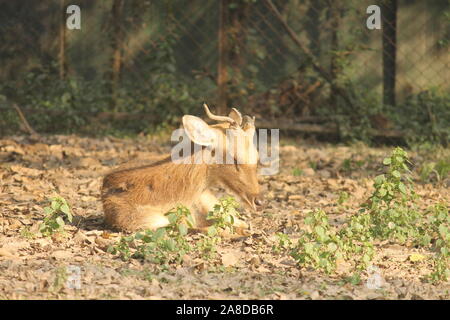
[{"x": 25, "y": 123}]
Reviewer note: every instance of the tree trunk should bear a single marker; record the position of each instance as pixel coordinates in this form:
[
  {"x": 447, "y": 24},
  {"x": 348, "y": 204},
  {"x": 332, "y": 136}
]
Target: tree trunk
[
  {"x": 389, "y": 25},
  {"x": 335, "y": 17},
  {"x": 238, "y": 34},
  {"x": 222, "y": 72},
  {"x": 62, "y": 41},
  {"x": 237, "y": 52},
  {"x": 117, "y": 44}
]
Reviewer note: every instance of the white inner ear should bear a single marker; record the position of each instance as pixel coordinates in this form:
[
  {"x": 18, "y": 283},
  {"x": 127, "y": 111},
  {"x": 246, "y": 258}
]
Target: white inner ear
[
  {"x": 199, "y": 131},
  {"x": 236, "y": 116}
]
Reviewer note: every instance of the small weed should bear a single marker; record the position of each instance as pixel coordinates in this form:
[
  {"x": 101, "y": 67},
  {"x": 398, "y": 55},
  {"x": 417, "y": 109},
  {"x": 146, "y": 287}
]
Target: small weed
[
  {"x": 207, "y": 246},
  {"x": 55, "y": 215},
  {"x": 223, "y": 215},
  {"x": 145, "y": 274},
  {"x": 60, "y": 280},
  {"x": 437, "y": 171},
  {"x": 26, "y": 233},
  {"x": 350, "y": 164},
  {"x": 313, "y": 164},
  {"x": 321, "y": 246},
  {"x": 390, "y": 210},
  {"x": 343, "y": 196},
  {"x": 284, "y": 243},
  {"x": 354, "y": 279},
  {"x": 318, "y": 247},
  {"x": 297, "y": 172}
]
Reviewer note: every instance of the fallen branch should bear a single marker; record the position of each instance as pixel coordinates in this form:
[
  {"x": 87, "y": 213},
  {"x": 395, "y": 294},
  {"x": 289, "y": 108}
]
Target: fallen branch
[
  {"x": 25, "y": 123},
  {"x": 328, "y": 128}
]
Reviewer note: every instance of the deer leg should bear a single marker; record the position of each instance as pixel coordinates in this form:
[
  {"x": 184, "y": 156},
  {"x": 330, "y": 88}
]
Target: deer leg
[
  {"x": 203, "y": 206},
  {"x": 121, "y": 214},
  {"x": 206, "y": 204}
]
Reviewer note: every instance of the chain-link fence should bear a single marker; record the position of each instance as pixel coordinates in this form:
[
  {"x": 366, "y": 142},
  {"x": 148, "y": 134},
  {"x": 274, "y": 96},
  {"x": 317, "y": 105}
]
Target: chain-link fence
[{"x": 289, "y": 59}]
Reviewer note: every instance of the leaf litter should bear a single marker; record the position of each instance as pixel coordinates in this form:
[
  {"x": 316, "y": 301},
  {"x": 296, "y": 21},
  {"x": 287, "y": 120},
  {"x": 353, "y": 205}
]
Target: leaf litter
[{"x": 312, "y": 175}]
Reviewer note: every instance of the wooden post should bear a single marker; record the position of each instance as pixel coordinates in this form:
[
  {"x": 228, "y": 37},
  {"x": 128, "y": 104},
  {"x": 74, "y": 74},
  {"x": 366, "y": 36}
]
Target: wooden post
[
  {"x": 222, "y": 72},
  {"x": 117, "y": 43},
  {"x": 237, "y": 35},
  {"x": 335, "y": 16},
  {"x": 62, "y": 41},
  {"x": 389, "y": 26}
]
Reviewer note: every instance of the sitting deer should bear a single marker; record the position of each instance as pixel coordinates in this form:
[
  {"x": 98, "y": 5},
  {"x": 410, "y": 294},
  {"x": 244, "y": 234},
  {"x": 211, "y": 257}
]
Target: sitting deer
[{"x": 138, "y": 198}]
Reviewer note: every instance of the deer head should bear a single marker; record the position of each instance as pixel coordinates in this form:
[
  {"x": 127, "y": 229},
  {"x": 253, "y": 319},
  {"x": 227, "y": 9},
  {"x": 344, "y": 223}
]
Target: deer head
[{"x": 231, "y": 152}]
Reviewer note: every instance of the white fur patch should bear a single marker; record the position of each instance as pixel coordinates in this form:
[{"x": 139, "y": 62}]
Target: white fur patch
[{"x": 153, "y": 217}]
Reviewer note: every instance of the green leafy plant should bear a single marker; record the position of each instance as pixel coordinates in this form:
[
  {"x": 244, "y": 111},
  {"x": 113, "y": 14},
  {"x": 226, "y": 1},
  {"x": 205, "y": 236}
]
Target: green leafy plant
[
  {"x": 122, "y": 248},
  {"x": 284, "y": 243},
  {"x": 297, "y": 172},
  {"x": 319, "y": 247},
  {"x": 391, "y": 206},
  {"x": 26, "y": 233},
  {"x": 162, "y": 246},
  {"x": 350, "y": 164},
  {"x": 223, "y": 216},
  {"x": 389, "y": 186},
  {"x": 425, "y": 117},
  {"x": 389, "y": 213},
  {"x": 55, "y": 216},
  {"x": 207, "y": 246},
  {"x": 59, "y": 281},
  {"x": 438, "y": 231},
  {"x": 440, "y": 170},
  {"x": 343, "y": 196},
  {"x": 169, "y": 244}
]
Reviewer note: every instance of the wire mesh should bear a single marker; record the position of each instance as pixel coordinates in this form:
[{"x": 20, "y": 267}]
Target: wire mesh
[{"x": 267, "y": 71}]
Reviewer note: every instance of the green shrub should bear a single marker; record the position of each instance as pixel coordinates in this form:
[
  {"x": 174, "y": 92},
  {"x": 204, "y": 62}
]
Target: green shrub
[
  {"x": 425, "y": 117},
  {"x": 169, "y": 244},
  {"x": 390, "y": 213}
]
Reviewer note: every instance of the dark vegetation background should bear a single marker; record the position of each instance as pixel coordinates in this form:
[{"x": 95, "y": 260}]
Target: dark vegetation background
[{"x": 299, "y": 65}]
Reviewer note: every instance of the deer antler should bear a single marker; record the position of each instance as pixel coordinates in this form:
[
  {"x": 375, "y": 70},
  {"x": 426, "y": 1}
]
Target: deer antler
[{"x": 218, "y": 118}]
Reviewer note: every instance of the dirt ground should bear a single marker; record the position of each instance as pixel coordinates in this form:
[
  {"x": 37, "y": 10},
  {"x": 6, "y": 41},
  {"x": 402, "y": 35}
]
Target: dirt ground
[{"x": 312, "y": 175}]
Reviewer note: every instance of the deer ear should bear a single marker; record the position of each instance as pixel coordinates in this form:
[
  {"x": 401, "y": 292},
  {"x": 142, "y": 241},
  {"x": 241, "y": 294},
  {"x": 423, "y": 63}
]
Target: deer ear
[
  {"x": 236, "y": 116},
  {"x": 199, "y": 131}
]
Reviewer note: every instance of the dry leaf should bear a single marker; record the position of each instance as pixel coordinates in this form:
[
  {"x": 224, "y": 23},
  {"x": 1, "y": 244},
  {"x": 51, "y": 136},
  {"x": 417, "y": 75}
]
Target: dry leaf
[
  {"x": 231, "y": 257},
  {"x": 415, "y": 257},
  {"x": 61, "y": 254},
  {"x": 6, "y": 253}
]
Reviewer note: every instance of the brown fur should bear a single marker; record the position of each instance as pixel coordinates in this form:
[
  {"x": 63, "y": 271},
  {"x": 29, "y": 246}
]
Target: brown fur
[{"x": 138, "y": 197}]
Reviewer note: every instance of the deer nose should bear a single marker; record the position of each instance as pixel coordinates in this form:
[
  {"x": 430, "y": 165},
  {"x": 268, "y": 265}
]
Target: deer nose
[{"x": 258, "y": 201}]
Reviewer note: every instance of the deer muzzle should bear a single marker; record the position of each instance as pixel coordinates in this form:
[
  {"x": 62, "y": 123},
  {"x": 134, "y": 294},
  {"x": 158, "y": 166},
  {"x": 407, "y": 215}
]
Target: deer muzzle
[{"x": 254, "y": 203}]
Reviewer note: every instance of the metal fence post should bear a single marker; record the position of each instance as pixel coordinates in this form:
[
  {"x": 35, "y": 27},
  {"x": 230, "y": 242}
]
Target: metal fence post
[
  {"x": 222, "y": 72},
  {"x": 389, "y": 25}
]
